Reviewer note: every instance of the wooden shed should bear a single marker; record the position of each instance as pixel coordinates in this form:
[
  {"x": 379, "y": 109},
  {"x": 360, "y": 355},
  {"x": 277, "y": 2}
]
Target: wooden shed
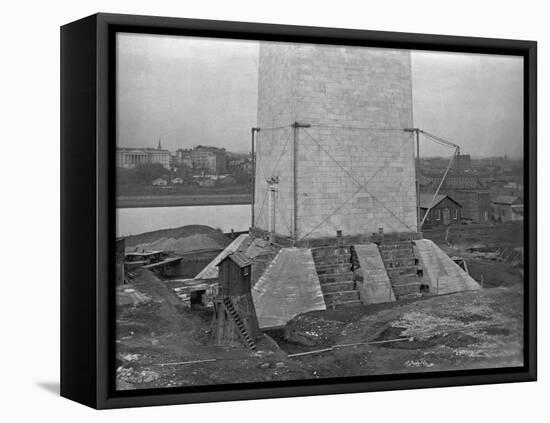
[
  {"x": 507, "y": 208},
  {"x": 234, "y": 275},
  {"x": 235, "y": 319},
  {"x": 442, "y": 210}
]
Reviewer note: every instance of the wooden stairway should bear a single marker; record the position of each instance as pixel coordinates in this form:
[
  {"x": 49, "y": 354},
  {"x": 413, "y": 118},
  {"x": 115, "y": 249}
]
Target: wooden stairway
[
  {"x": 333, "y": 266},
  {"x": 402, "y": 268},
  {"x": 249, "y": 342}
]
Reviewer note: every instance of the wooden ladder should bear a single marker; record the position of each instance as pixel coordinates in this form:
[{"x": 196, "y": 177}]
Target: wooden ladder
[{"x": 240, "y": 325}]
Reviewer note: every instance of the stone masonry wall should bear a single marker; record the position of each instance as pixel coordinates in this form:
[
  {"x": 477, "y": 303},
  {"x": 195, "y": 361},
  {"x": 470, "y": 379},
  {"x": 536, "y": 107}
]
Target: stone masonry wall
[
  {"x": 355, "y": 163},
  {"x": 274, "y": 143}
]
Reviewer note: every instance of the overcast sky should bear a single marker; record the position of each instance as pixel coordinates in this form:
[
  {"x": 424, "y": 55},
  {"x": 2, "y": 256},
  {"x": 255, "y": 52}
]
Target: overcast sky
[{"x": 190, "y": 91}]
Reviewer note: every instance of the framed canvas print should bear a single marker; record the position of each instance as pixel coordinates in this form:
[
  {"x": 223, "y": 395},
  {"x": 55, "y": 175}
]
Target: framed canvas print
[{"x": 254, "y": 211}]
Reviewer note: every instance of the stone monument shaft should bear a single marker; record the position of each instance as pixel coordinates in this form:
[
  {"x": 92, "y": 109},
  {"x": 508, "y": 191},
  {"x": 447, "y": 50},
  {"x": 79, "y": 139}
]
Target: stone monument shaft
[{"x": 349, "y": 165}]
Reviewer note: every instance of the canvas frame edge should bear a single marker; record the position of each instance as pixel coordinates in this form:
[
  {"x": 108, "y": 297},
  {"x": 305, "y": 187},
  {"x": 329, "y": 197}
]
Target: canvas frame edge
[{"x": 98, "y": 366}]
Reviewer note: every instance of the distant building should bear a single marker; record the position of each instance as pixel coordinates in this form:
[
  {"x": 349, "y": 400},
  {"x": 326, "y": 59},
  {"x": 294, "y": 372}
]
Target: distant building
[
  {"x": 507, "y": 208},
  {"x": 131, "y": 157},
  {"x": 462, "y": 162},
  {"x": 245, "y": 164},
  {"x": 206, "y": 182},
  {"x": 513, "y": 186},
  {"x": 211, "y": 160},
  {"x": 476, "y": 204},
  {"x": 183, "y": 157},
  {"x": 444, "y": 210},
  {"x": 453, "y": 181},
  {"x": 469, "y": 190},
  {"x": 159, "y": 182}
]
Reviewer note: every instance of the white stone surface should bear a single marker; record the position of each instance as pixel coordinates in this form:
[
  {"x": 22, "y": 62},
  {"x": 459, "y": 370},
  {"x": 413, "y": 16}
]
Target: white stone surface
[
  {"x": 440, "y": 271},
  {"x": 355, "y": 164},
  {"x": 376, "y": 285},
  {"x": 288, "y": 287}
]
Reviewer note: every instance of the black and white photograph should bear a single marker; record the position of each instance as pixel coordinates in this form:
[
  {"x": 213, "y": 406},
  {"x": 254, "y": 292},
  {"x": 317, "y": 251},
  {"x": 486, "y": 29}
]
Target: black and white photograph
[{"x": 297, "y": 211}]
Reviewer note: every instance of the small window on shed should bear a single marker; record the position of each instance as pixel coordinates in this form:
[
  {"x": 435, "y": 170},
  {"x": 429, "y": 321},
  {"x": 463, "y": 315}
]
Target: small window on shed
[
  {"x": 456, "y": 214},
  {"x": 245, "y": 271},
  {"x": 438, "y": 214}
]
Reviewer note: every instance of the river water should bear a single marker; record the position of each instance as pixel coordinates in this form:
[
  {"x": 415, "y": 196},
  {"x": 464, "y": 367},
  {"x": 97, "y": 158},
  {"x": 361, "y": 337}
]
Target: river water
[{"x": 132, "y": 221}]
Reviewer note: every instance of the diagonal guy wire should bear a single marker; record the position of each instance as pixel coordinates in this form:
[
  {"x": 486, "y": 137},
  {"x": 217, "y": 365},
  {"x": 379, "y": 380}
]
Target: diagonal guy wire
[{"x": 356, "y": 181}]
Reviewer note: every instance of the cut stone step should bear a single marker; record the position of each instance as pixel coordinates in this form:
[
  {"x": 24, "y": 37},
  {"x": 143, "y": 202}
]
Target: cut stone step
[
  {"x": 405, "y": 280},
  {"x": 401, "y": 262},
  {"x": 395, "y": 247},
  {"x": 397, "y": 254},
  {"x": 333, "y": 268},
  {"x": 334, "y": 287},
  {"x": 343, "y": 258},
  {"x": 330, "y": 251},
  {"x": 335, "y": 277},
  {"x": 341, "y": 296},
  {"x": 402, "y": 271}
]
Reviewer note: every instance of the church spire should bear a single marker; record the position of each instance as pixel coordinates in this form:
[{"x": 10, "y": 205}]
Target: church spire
[{"x": 159, "y": 147}]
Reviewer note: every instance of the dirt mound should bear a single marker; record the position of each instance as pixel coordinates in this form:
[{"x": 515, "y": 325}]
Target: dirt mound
[
  {"x": 182, "y": 239},
  {"x": 182, "y": 245},
  {"x": 311, "y": 331},
  {"x": 164, "y": 313}
]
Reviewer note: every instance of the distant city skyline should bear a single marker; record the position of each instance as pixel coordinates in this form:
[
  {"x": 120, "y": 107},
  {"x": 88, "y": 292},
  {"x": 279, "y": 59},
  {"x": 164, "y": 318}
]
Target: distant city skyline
[{"x": 191, "y": 91}]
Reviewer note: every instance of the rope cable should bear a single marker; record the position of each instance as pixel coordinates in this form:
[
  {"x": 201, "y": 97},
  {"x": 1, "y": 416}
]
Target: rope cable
[
  {"x": 262, "y": 206},
  {"x": 368, "y": 128},
  {"x": 273, "y": 128},
  {"x": 282, "y": 152},
  {"x": 345, "y": 202}
]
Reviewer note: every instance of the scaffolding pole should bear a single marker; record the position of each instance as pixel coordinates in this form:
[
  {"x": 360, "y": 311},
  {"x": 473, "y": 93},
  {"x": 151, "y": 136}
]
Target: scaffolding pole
[
  {"x": 253, "y": 162},
  {"x": 416, "y": 132},
  {"x": 295, "y": 126}
]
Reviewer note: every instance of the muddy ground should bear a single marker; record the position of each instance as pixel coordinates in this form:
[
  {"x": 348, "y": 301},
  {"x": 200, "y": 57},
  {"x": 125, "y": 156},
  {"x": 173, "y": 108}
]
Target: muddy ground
[
  {"x": 162, "y": 344},
  {"x": 457, "y": 241}
]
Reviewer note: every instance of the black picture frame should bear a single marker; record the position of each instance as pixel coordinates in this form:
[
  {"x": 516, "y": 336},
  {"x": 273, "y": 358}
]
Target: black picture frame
[{"x": 88, "y": 209}]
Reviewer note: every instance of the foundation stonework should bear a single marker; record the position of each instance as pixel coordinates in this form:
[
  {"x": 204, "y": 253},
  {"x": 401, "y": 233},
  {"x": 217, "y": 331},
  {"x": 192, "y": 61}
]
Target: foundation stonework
[{"x": 355, "y": 163}]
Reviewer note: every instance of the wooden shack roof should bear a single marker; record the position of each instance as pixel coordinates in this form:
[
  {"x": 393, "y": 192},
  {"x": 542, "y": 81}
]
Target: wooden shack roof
[
  {"x": 238, "y": 258},
  {"x": 211, "y": 270},
  {"x": 507, "y": 200},
  {"x": 425, "y": 200}
]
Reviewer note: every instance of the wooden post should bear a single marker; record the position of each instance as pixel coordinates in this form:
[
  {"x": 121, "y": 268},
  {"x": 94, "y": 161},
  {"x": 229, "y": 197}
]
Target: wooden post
[
  {"x": 295, "y": 184},
  {"x": 416, "y": 131},
  {"x": 253, "y": 162},
  {"x": 295, "y": 125},
  {"x": 418, "y": 229}
]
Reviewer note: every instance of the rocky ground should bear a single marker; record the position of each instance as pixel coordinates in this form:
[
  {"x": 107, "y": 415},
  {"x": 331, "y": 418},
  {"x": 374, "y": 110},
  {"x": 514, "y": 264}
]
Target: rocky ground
[
  {"x": 161, "y": 344},
  {"x": 478, "y": 329}
]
